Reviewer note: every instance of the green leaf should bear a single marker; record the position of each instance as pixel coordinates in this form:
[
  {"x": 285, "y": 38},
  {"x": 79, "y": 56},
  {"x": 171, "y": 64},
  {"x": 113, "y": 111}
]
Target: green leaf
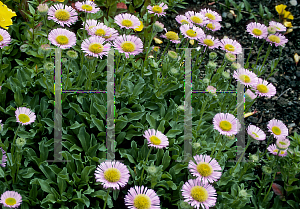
[
  {"x": 18, "y": 96},
  {"x": 151, "y": 121},
  {"x": 166, "y": 160},
  {"x": 84, "y": 139},
  {"x": 135, "y": 116},
  {"x": 247, "y": 6},
  {"x": 85, "y": 173},
  {"x": 49, "y": 122},
  {"x": 4, "y": 66},
  {"x": 31, "y": 9},
  {"x": 161, "y": 126},
  {"x": 261, "y": 10},
  {"x": 45, "y": 186},
  {"x": 62, "y": 185},
  {"x": 101, "y": 109},
  {"x": 172, "y": 133}
]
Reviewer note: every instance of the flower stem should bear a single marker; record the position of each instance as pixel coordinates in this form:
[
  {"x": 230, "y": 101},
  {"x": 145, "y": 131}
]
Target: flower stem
[
  {"x": 273, "y": 176},
  {"x": 269, "y": 141},
  {"x": 220, "y": 150},
  {"x": 218, "y": 140},
  {"x": 247, "y": 62},
  {"x": 145, "y": 162},
  {"x": 267, "y": 54},
  {"x": 12, "y": 151},
  {"x": 122, "y": 73},
  {"x": 165, "y": 49},
  {"x": 104, "y": 206},
  {"x": 259, "y": 53},
  {"x": 240, "y": 159}
]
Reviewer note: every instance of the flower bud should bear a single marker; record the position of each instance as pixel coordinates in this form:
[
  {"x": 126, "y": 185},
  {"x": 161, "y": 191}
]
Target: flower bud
[
  {"x": 196, "y": 145},
  {"x": 267, "y": 170},
  {"x": 206, "y": 80},
  {"x": 226, "y": 75},
  {"x": 72, "y": 54},
  {"x": 235, "y": 66},
  {"x": 211, "y": 65},
  {"x": 174, "y": 71},
  {"x": 45, "y": 47},
  {"x": 272, "y": 29},
  {"x": 212, "y": 55},
  {"x": 43, "y": 8},
  {"x": 158, "y": 27},
  {"x": 64, "y": 60},
  {"x": 152, "y": 170},
  {"x": 49, "y": 66},
  {"x": 254, "y": 158},
  {"x": 230, "y": 57},
  {"x": 24, "y": 47},
  {"x": 20, "y": 142},
  {"x": 173, "y": 55}
]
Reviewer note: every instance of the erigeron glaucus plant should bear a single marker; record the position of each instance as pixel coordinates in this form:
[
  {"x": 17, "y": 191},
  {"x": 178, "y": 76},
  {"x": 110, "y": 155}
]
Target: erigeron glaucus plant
[{"x": 147, "y": 93}]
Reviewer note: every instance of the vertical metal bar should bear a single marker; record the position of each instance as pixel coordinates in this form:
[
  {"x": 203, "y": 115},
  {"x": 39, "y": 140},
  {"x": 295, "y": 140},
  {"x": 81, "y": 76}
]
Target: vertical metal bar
[
  {"x": 110, "y": 131},
  {"x": 57, "y": 109},
  {"x": 188, "y": 136},
  {"x": 240, "y": 110}
]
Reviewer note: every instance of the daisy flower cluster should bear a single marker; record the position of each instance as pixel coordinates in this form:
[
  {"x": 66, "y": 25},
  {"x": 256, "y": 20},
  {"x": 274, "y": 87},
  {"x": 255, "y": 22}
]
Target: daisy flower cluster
[
  {"x": 198, "y": 192},
  {"x": 271, "y": 33}
]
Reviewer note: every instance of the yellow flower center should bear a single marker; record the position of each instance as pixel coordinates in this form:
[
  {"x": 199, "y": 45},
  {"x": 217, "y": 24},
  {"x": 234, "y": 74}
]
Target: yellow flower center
[
  {"x": 157, "y": 9},
  {"x": 23, "y": 118},
  {"x": 184, "y": 22},
  {"x": 275, "y": 151},
  {"x": 283, "y": 143},
  {"x": 62, "y": 39},
  {"x": 210, "y": 26},
  {"x": 274, "y": 38},
  {"x": 205, "y": 169},
  {"x": 257, "y": 31},
  {"x": 191, "y": 33},
  {"x": 107, "y": 37},
  {"x": 199, "y": 193},
  {"x": 62, "y": 15},
  {"x": 245, "y": 78},
  {"x": 112, "y": 174},
  {"x": 1, "y": 38},
  {"x": 127, "y": 23},
  {"x": 142, "y": 201},
  {"x": 91, "y": 27},
  {"x": 128, "y": 46},
  {"x": 172, "y": 35},
  {"x": 96, "y": 48},
  {"x": 100, "y": 32},
  {"x": 276, "y": 130},
  {"x": 255, "y": 135},
  {"x": 281, "y": 152},
  {"x": 10, "y": 201},
  {"x": 229, "y": 47},
  {"x": 155, "y": 140},
  {"x": 225, "y": 125},
  {"x": 87, "y": 7},
  {"x": 262, "y": 88},
  {"x": 196, "y": 19},
  {"x": 208, "y": 42},
  {"x": 210, "y": 16},
  {"x": 156, "y": 48}
]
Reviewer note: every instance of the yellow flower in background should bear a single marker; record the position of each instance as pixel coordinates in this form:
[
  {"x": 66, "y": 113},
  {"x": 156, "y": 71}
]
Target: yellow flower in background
[
  {"x": 287, "y": 24},
  {"x": 60, "y": 0},
  {"x": 6, "y": 15},
  {"x": 158, "y": 41},
  {"x": 288, "y": 15},
  {"x": 280, "y": 8},
  {"x": 140, "y": 28}
]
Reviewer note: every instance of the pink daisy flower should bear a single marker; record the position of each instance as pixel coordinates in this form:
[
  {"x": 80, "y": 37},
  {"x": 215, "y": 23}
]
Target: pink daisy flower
[
  {"x": 277, "y": 25},
  {"x": 142, "y": 197},
  {"x": 283, "y": 143},
  {"x": 87, "y": 6},
  {"x": 172, "y": 36},
  {"x": 11, "y": 199},
  {"x": 156, "y": 139},
  {"x": 209, "y": 41},
  {"x": 100, "y": 30},
  {"x": 264, "y": 89},
  {"x": 197, "y": 194},
  {"x": 62, "y": 38},
  {"x": 4, "y": 157},
  {"x": 62, "y": 14},
  {"x": 211, "y": 15},
  {"x": 257, "y": 30},
  {"x": 89, "y": 25},
  {"x": 277, "y": 129},
  {"x": 250, "y": 94},
  {"x": 112, "y": 34},
  {"x": 256, "y": 133},
  {"x": 158, "y": 10},
  {"x": 274, "y": 150},
  {"x": 93, "y": 46},
  {"x": 181, "y": 19},
  {"x": 127, "y": 21},
  {"x": 191, "y": 33},
  {"x": 231, "y": 46},
  {"x": 4, "y": 38},
  {"x": 277, "y": 39},
  {"x": 213, "y": 26},
  {"x": 112, "y": 174},
  {"x": 129, "y": 45},
  {"x": 196, "y": 18},
  {"x": 226, "y": 124},
  {"x": 211, "y": 89},
  {"x": 206, "y": 169},
  {"x": 245, "y": 77},
  {"x": 24, "y": 115}
]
